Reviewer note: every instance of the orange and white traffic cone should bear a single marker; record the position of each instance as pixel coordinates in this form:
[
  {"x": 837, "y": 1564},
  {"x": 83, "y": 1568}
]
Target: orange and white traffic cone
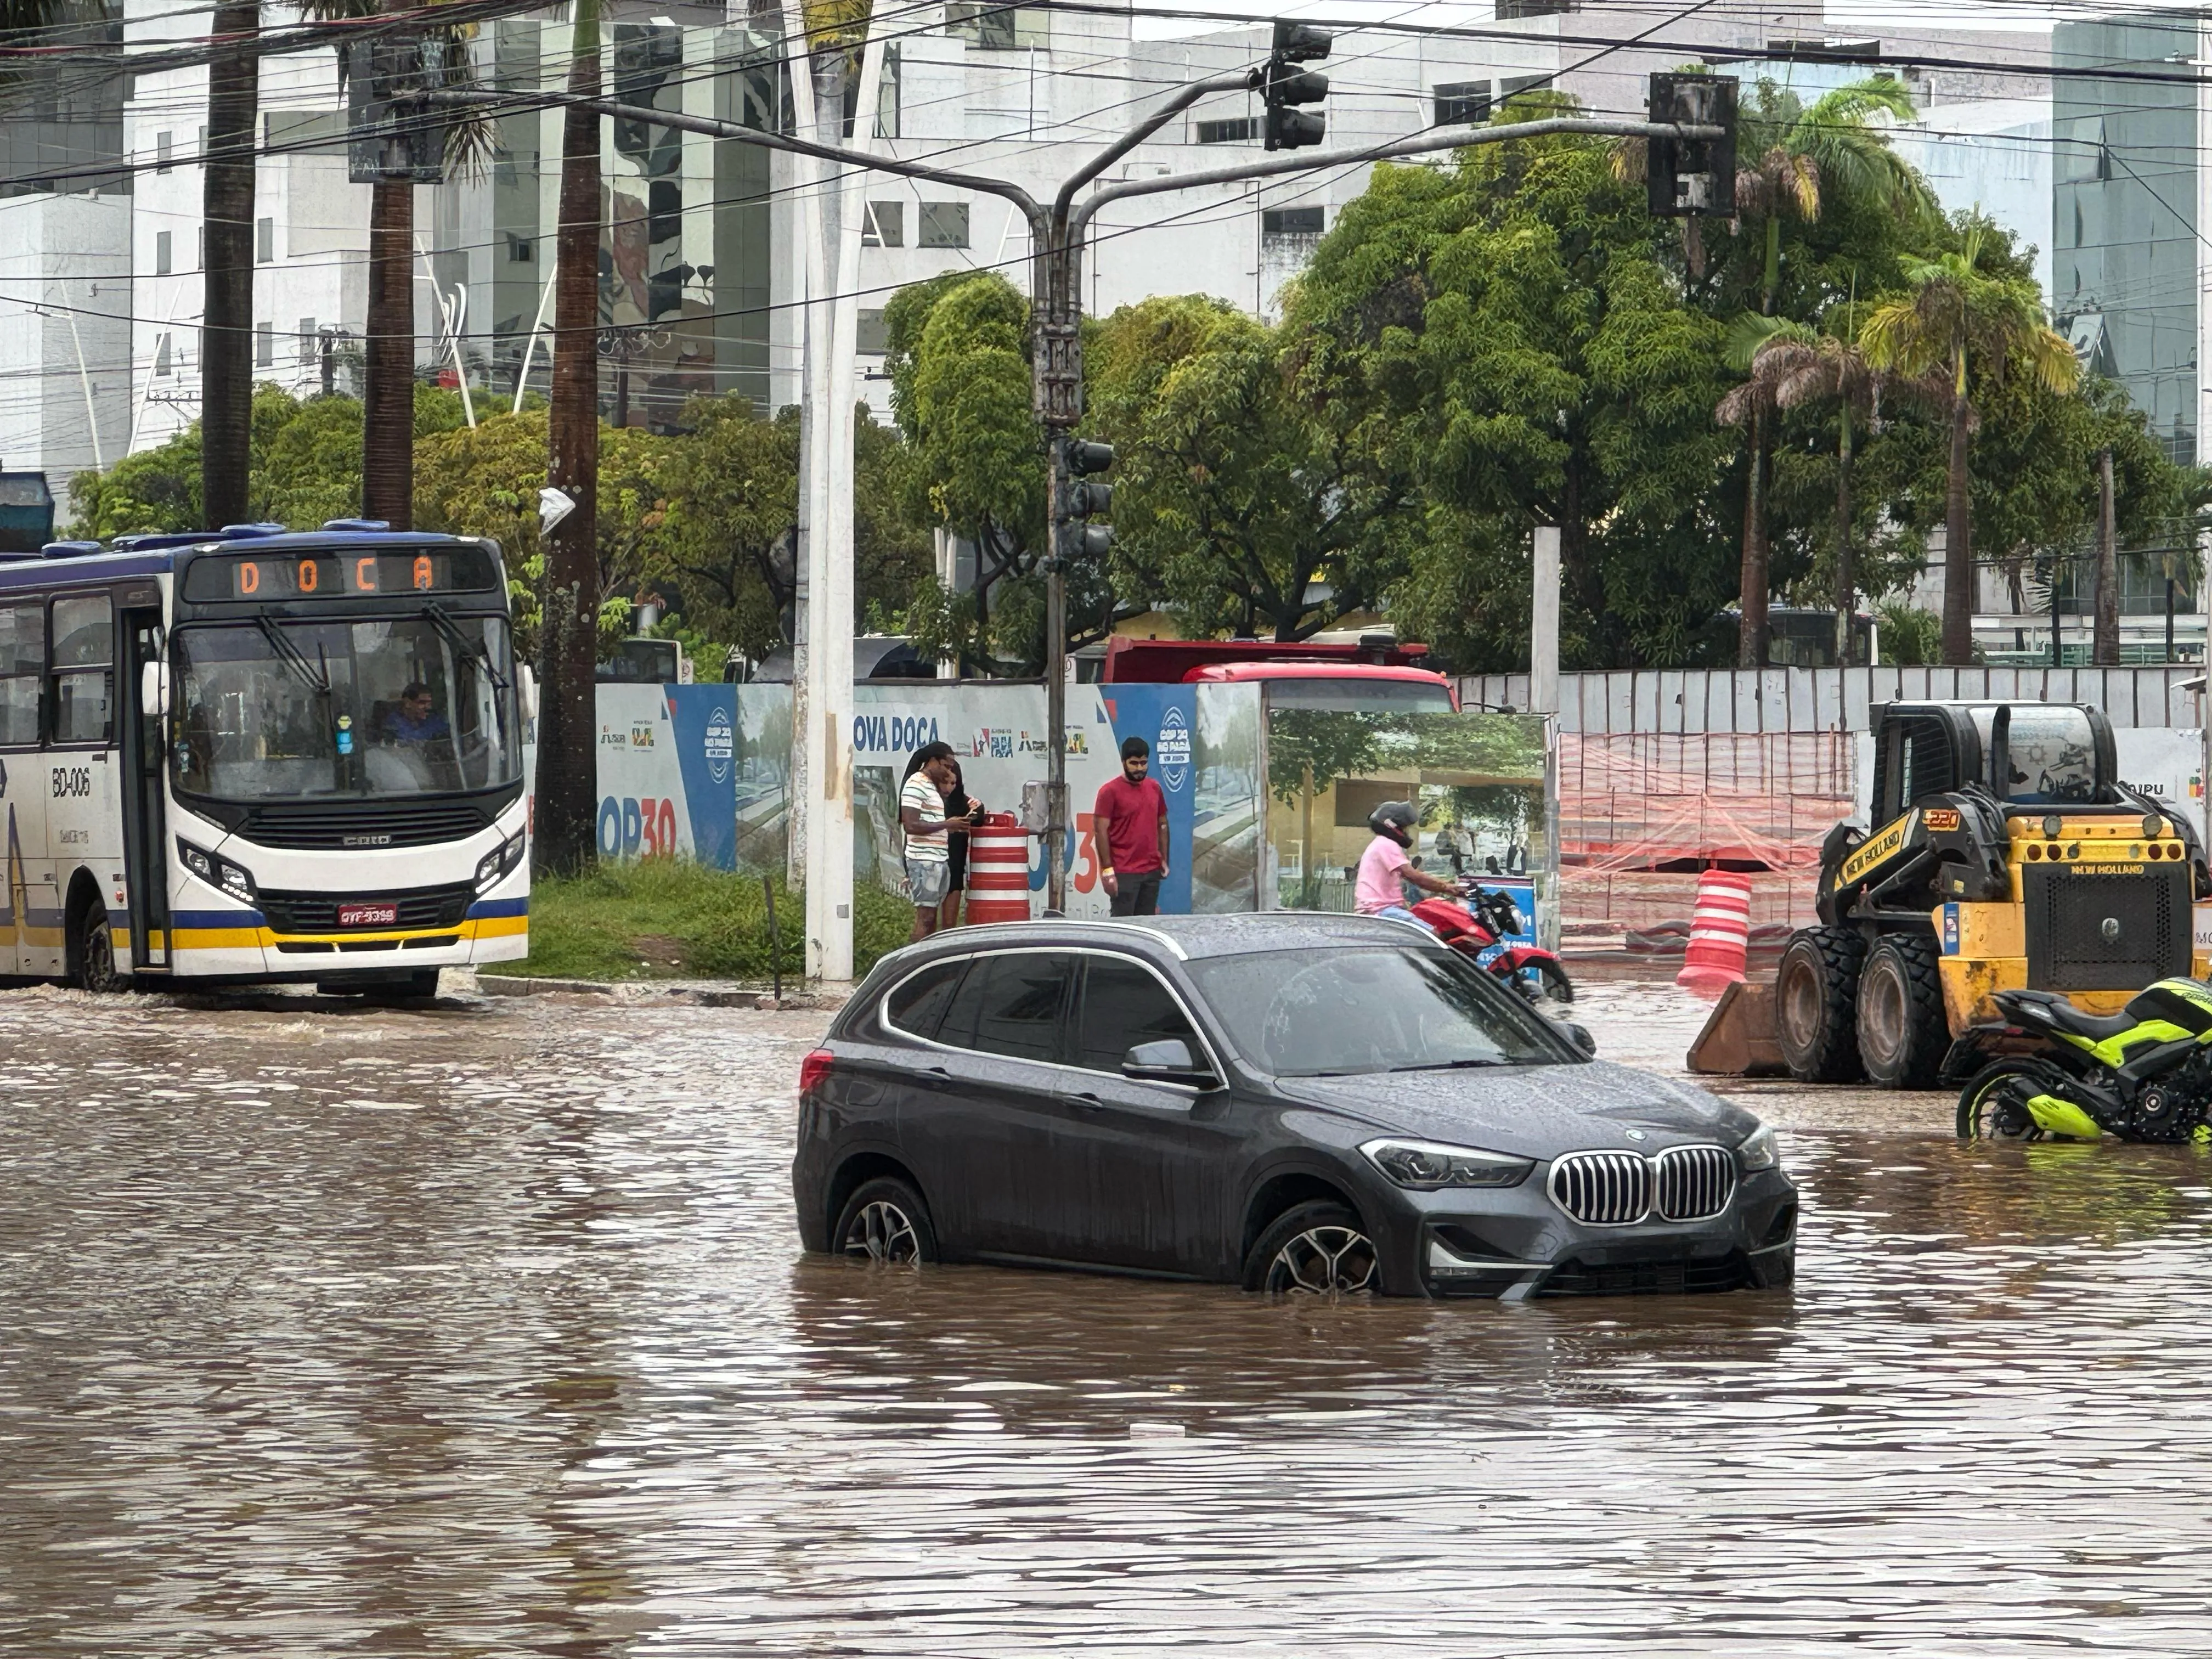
[{"x": 1718, "y": 932}]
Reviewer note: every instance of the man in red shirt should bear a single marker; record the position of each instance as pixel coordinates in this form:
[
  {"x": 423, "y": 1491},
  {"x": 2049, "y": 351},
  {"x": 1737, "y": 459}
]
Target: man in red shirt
[{"x": 1129, "y": 833}]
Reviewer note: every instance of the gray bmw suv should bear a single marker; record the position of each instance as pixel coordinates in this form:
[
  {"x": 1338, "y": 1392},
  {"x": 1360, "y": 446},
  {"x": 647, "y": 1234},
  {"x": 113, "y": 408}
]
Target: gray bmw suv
[{"x": 1289, "y": 1102}]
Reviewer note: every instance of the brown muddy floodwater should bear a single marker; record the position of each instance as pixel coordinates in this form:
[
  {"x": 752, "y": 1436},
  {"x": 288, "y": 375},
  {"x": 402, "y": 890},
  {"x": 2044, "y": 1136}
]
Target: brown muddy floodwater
[{"x": 484, "y": 1332}]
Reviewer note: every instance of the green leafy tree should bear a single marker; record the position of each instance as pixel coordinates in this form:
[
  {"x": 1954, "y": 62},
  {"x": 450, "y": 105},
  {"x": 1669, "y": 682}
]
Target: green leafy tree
[
  {"x": 1974, "y": 327},
  {"x": 1513, "y": 332},
  {"x": 959, "y": 364},
  {"x": 1241, "y": 506}
]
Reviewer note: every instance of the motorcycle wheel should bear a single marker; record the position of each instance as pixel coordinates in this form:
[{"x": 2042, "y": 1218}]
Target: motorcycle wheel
[
  {"x": 1993, "y": 1106},
  {"x": 1547, "y": 987}
]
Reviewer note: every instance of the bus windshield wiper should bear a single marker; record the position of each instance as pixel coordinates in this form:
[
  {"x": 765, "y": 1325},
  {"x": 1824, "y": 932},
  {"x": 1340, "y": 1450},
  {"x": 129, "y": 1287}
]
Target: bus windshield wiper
[
  {"x": 291, "y": 656},
  {"x": 443, "y": 620}
]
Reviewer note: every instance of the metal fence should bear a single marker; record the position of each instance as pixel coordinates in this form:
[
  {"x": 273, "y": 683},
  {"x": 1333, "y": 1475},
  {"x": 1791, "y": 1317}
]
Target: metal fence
[{"x": 1742, "y": 701}]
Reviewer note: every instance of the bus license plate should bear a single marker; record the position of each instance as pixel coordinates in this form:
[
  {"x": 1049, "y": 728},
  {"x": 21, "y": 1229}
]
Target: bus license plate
[{"x": 368, "y": 915}]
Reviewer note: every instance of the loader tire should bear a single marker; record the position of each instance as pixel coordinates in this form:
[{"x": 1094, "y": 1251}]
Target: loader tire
[
  {"x": 1903, "y": 1032},
  {"x": 1816, "y": 993}
]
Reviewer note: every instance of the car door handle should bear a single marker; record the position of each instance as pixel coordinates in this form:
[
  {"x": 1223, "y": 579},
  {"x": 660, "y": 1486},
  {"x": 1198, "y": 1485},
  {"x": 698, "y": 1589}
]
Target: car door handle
[{"x": 1086, "y": 1101}]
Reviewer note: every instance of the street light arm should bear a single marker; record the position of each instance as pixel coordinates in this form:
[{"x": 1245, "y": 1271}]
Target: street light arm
[
  {"x": 715, "y": 129},
  {"x": 1306, "y": 162},
  {"x": 1183, "y": 99}
]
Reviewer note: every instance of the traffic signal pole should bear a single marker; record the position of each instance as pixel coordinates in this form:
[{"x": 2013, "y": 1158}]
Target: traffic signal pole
[{"x": 1057, "y": 231}]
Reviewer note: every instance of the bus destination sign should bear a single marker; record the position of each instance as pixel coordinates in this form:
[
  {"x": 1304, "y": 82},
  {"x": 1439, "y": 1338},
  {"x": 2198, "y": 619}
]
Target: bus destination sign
[{"x": 340, "y": 575}]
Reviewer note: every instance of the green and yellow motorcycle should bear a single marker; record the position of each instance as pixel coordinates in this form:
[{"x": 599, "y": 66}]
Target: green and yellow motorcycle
[{"x": 2049, "y": 1071}]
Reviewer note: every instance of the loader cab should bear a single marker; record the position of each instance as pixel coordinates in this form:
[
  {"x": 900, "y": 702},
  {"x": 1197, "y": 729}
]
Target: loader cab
[{"x": 2030, "y": 757}]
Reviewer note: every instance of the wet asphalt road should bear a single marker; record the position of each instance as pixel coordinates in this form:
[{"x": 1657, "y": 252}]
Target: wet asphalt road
[{"x": 483, "y": 1331}]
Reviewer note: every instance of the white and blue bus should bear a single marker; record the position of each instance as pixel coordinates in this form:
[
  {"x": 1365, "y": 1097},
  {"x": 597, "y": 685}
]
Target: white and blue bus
[{"x": 252, "y": 756}]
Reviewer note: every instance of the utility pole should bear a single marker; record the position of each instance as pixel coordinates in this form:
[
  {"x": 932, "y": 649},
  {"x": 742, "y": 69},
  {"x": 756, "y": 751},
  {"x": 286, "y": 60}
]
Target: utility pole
[
  {"x": 1057, "y": 230},
  {"x": 2107, "y": 649}
]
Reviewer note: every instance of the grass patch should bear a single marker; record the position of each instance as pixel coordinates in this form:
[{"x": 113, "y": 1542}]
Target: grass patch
[{"x": 672, "y": 919}]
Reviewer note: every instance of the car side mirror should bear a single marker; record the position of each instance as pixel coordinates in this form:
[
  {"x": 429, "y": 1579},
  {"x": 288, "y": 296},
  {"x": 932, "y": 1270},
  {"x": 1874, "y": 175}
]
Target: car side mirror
[
  {"x": 1580, "y": 1037},
  {"x": 153, "y": 690},
  {"x": 525, "y": 686},
  {"x": 1167, "y": 1061}
]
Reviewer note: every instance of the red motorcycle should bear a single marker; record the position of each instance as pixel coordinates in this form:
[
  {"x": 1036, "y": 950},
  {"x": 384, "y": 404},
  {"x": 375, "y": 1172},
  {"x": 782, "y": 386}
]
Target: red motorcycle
[{"x": 1481, "y": 927}]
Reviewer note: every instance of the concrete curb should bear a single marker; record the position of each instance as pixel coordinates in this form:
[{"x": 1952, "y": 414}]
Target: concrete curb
[{"x": 697, "y": 994}]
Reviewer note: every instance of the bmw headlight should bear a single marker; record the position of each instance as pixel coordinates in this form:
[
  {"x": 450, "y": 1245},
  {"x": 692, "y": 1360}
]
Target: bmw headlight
[
  {"x": 1427, "y": 1167},
  {"x": 219, "y": 872},
  {"x": 493, "y": 867},
  {"x": 1757, "y": 1151}
]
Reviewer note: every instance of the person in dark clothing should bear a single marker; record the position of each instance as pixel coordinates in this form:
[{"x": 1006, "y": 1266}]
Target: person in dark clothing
[
  {"x": 412, "y": 720},
  {"x": 959, "y": 805}
]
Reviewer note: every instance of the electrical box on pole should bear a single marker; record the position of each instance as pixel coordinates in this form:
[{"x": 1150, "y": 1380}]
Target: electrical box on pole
[
  {"x": 1282, "y": 87},
  {"x": 393, "y": 134},
  {"x": 1693, "y": 177}
]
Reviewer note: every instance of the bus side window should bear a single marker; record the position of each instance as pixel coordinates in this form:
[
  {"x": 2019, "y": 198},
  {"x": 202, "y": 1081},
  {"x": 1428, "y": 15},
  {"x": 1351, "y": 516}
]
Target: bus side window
[
  {"x": 22, "y": 671},
  {"x": 83, "y": 673}
]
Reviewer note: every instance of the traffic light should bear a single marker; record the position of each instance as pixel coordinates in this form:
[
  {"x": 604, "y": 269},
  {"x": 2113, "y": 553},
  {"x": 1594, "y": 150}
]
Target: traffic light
[
  {"x": 1282, "y": 87},
  {"x": 1692, "y": 177},
  {"x": 1088, "y": 499}
]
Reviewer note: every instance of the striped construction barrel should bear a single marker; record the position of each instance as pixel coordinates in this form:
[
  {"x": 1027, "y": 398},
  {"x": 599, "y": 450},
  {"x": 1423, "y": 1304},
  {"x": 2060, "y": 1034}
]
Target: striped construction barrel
[
  {"x": 1718, "y": 933},
  {"x": 997, "y": 870}
]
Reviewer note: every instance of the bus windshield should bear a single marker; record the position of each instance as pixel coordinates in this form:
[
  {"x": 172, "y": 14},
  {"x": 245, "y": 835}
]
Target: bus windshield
[{"x": 270, "y": 710}]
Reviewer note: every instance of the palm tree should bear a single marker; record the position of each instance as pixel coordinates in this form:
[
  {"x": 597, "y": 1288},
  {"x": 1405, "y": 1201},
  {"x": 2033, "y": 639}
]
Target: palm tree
[
  {"x": 1964, "y": 323},
  {"x": 1829, "y": 367},
  {"x": 1801, "y": 157},
  {"x": 387, "y": 476},
  {"x": 1753, "y": 404},
  {"x": 226, "y": 305}
]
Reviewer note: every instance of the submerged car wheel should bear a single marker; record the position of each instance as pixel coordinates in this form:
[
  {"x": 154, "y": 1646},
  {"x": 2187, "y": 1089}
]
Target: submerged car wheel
[
  {"x": 1318, "y": 1248},
  {"x": 886, "y": 1220},
  {"x": 1816, "y": 1005},
  {"x": 1993, "y": 1106}
]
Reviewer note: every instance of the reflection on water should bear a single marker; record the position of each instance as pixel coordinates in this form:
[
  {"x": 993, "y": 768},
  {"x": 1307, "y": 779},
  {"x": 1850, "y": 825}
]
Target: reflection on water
[{"x": 485, "y": 1332}]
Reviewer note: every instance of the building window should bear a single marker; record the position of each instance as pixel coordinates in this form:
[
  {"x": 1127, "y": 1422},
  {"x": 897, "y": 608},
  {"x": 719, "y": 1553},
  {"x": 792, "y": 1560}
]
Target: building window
[
  {"x": 308, "y": 341},
  {"x": 1510, "y": 8},
  {"x": 265, "y": 241},
  {"x": 1461, "y": 103},
  {"x": 945, "y": 224},
  {"x": 264, "y": 345},
  {"x": 885, "y": 225},
  {"x": 160, "y": 152},
  {"x": 871, "y": 339},
  {"x": 1509, "y": 86},
  {"x": 521, "y": 250},
  {"x": 1241, "y": 130},
  {"x": 1290, "y": 221},
  {"x": 161, "y": 253},
  {"x": 199, "y": 249},
  {"x": 995, "y": 27},
  {"x": 887, "y": 94},
  {"x": 162, "y": 358}
]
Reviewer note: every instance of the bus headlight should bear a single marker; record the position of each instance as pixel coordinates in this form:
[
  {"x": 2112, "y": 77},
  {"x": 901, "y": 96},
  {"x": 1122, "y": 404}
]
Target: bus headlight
[
  {"x": 219, "y": 872},
  {"x": 495, "y": 866}
]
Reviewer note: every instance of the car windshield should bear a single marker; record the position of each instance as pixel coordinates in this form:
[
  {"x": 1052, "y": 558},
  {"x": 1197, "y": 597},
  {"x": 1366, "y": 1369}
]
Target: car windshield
[
  {"x": 1344, "y": 695},
  {"x": 296, "y": 710},
  {"x": 1350, "y": 1012}
]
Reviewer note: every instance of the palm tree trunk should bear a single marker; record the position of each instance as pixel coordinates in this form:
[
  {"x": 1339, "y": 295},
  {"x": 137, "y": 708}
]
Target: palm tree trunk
[
  {"x": 1958, "y": 552},
  {"x": 1846, "y": 593},
  {"x": 567, "y": 787},
  {"x": 227, "y": 312},
  {"x": 2105, "y": 649},
  {"x": 387, "y": 472},
  {"x": 1751, "y": 639}
]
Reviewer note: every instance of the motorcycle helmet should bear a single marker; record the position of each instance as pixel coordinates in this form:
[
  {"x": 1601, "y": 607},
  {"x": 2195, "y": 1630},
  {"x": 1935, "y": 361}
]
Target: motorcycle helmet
[{"x": 1396, "y": 819}]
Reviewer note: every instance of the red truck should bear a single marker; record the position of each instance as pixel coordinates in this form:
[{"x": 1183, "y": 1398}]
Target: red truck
[{"x": 1376, "y": 675}]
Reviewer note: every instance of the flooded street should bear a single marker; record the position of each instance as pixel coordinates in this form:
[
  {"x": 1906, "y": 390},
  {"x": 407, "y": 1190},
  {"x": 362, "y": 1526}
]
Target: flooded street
[{"x": 485, "y": 1330}]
